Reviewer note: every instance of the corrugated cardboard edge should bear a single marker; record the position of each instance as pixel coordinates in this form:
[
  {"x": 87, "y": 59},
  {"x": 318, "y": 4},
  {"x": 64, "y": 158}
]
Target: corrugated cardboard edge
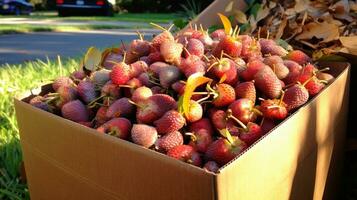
[
  {"x": 46, "y": 152},
  {"x": 233, "y": 174}
]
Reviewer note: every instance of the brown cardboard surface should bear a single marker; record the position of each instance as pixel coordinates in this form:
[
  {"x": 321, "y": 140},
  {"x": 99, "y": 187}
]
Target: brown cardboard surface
[
  {"x": 293, "y": 161},
  {"x": 65, "y": 160}
]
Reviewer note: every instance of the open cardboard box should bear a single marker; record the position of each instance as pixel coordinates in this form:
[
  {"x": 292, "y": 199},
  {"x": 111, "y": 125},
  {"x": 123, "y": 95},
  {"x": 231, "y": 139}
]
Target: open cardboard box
[{"x": 300, "y": 159}]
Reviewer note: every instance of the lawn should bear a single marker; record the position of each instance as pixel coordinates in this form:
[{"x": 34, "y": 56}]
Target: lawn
[{"x": 13, "y": 81}]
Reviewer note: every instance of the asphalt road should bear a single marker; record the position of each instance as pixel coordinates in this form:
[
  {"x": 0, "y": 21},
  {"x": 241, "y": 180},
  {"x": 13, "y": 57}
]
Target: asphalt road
[{"x": 17, "y": 48}]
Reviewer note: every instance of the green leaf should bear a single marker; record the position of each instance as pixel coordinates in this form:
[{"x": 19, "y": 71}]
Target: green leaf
[
  {"x": 225, "y": 133},
  {"x": 284, "y": 44},
  {"x": 254, "y": 9}
]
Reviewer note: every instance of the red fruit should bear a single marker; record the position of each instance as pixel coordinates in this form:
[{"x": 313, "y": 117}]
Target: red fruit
[
  {"x": 276, "y": 63},
  {"x": 243, "y": 110},
  {"x": 200, "y": 140},
  {"x": 218, "y": 34},
  {"x": 268, "y": 83},
  {"x": 161, "y": 38},
  {"x": 179, "y": 87},
  {"x": 138, "y": 67},
  {"x": 121, "y": 73},
  {"x": 225, "y": 95},
  {"x": 156, "y": 67},
  {"x": 195, "y": 47},
  {"x": 143, "y": 135},
  {"x": 211, "y": 166},
  {"x": 145, "y": 79},
  {"x": 154, "y": 107},
  {"x": 229, "y": 45},
  {"x": 86, "y": 90},
  {"x": 66, "y": 94},
  {"x": 195, "y": 112},
  {"x": 202, "y": 124},
  {"x": 158, "y": 90},
  {"x": 299, "y": 57},
  {"x": 251, "y": 134},
  {"x": 274, "y": 109},
  {"x": 100, "y": 77},
  {"x": 192, "y": 64},
  {"x": 171, "y": 121},
  {"x": 250, "y": 47},
  {"x": 132, "y": 84},
  {"x": 311, "y": 83},
  {"x": 140, "y": 47},
  {"x": 309, "y": 69},
  {"x": 222, "y": 151},
  {"x": 169, "y": 141},
  {"x": 111, "y": 90},
  {"x": 75, "y": 111},
  {"x": 62, "y": 81},
  {"x": 169, "y": 75},
  {"x": 121, "y": 107},
  {"x": 40, "y": 102},
  {"x": 225, "y": 67},
  {"x": 294, "y": 71},
  {"x": 154, "y": 57},
  {"x": 253, "y": 67},
  {"x": 267, "y": 125},
  {"x": 171, "y": 51},
  {"x": 141, "y": 94},
  {"x": 101, "y": 116},
  {"x": 269, "y": 46},
  {"x": 246, "y": 90},
  {"x": 118, "y": 127},
  {"x": 78, "y": 75},
  {"x": 295, "y": 96},
  {"x": 186, "y": 154}
]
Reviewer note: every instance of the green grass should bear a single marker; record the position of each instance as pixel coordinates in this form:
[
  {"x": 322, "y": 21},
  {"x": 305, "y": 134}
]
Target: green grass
[
  {"x": 14, "y": 80},
  {"x": 26, "y": 28},
  {"x": 129, "y": 17}
]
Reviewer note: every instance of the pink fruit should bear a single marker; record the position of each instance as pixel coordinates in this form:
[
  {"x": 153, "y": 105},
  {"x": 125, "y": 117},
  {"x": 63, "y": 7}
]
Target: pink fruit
[
  {"x": 169, "y": 141},
  {"x": 75, "y": 111},
  {"x": 143, "y": 135},
  {"x": 118, "y": 127},
  {"x": 121, "y": 107}
]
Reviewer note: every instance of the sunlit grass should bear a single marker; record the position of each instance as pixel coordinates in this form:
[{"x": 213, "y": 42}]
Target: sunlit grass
[{"x": 14, "y": 80}]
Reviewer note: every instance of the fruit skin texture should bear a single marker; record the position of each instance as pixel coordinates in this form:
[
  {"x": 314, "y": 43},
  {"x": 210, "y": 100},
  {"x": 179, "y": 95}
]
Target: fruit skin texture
[
  {"x": 202, "y": 124},
  {"x": 66, "y": 94},
  {"x": 169, "y": 141},
  {"x": 170, "y": 122},
  {"x": 242, "y": 109},
  {"x": 211, "y": 166},
  {"x": 121, "y": 73},
  {"x": 295, "y": 96},
  {"x": 222, "y": 151},
  {"x": 273, "y": 109},
  {"x": 253, "y": 67},
  {"x": 143, "y": 135},
  {"x": 225, "y": 95},
  {"x": 121, "y": 107},
  {"x": 200, "y": 140},
  {"x": 294, "y": 71},
  {"x": 276, "y": 63},
  {"x": 75, "y": 111},
  {"x": 86, "y": 90},
  {"x": 299, "y": 57},
  {"x": 192, "y": 64},
  {"x": 39, "y": 102},
  {"x": 61, "y": 81},
  {"x": 119, "y": 127},
  {"x": 195, "y": 47},
  {"x": 138, "y": 67},
  {"x": 171, "y": 51},
  {"x": 228, "y": 45},
  {"x": 140, "y": 94},
  {"x": 268, "y": 83},
  {"x": 160, "y": 38},
  {"x": 252, "y": 134},
  {"x": 246, "y": 90},
  {"x": 169, "y": 75},
  {"x": 269, "y": 46},
  {"x": 185, "y": 153},
  {"x": 225, "y": 67},
  {"x": 313, "y": 84}
]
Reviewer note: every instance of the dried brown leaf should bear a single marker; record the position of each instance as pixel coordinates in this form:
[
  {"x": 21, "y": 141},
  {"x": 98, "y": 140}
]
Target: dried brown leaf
[
  {"x": 240, "y": 16},
  {"x": 341, "y": 10},
  {"x": 281, "y": 28},
  {"x": 350, "y": 43},
  {"x": 325, "y": 31},
  {"x": 353, "y": 5}
]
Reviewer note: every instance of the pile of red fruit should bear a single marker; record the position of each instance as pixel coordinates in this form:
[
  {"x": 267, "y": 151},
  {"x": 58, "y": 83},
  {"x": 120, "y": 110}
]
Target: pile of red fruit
[{"x": 197, "y": 97}]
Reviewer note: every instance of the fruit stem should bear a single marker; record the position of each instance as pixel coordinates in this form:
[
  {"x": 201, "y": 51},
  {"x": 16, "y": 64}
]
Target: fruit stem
[
  {"x": 256, "y": 111},
  {"x": 281, "y": 97},
  {"x": 95, "y": 100},
  {"x": 225, "y": 133},
  {"x": 132, "y": 102},
  {"x": 169, "y": 29},
  {"x": 212, "y": 65},
  {"x": 308, "y": 80},
  {"x": 185, "y": 49},
  {"x": 230, "y": 115},
  {"x": 261, "y": 99},
  {"x": 261, "y": 123},
  {"x": 203, "y": 100},
  {"x": 157, "y": 26},
  {"x": 140, "y": 35},
  {"x": 321, "y": 70},
  {"x": 192, "y": 136},
  {"x": 259, "y": 30},
  {"x": 127, "y": 86}
]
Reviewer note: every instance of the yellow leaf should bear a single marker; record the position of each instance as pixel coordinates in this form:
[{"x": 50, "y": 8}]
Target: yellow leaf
[
  {"x": 325, "y": 31},
  {"x": 226, "y": 23},
  {"x": 192, "y": 83},
  {"x": 350, "y": 43},
  {"x": 92, "y": 59},
  {"x": 225, "y": 133}
]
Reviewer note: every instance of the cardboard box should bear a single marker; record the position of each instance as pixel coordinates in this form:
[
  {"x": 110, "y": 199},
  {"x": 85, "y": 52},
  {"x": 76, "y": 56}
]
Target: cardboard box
[{"x": 299, "y": 159}]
